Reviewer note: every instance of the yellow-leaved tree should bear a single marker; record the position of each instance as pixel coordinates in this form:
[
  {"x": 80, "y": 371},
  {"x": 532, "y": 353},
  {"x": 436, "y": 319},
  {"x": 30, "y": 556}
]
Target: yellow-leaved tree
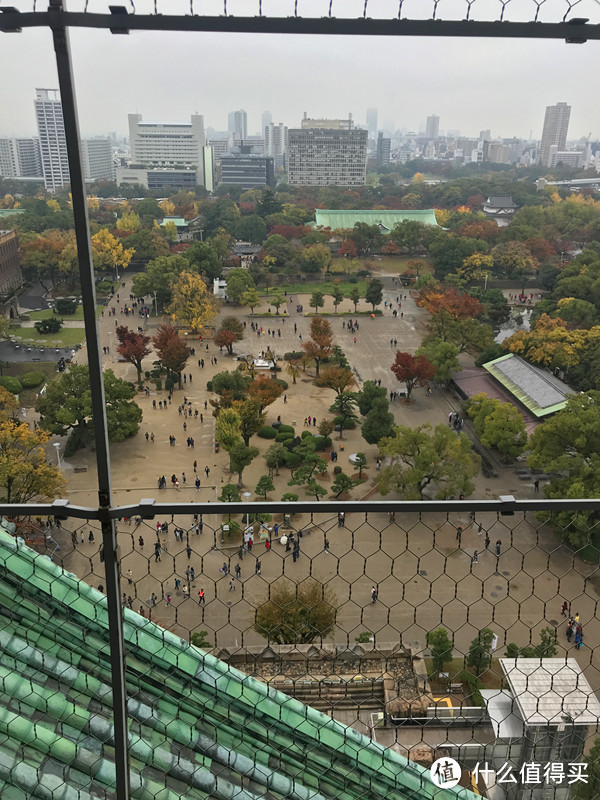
[
  {"x": 53, "y": 204},
  {"x": 167, "y": 207},
  {"x": 128, "y": 221},
  {"x": 25, "y": 473},
  {"x": 191, "y": 305},
  {"x": 108, "y": 251}
]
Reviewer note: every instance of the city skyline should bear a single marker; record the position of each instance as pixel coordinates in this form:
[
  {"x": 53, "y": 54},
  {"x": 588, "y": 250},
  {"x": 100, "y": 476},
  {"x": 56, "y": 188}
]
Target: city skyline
[{"x": 506, "y": 88}]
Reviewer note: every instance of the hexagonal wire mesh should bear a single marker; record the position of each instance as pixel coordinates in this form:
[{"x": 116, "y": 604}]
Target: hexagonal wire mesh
[{"x": 343, "y": 612}]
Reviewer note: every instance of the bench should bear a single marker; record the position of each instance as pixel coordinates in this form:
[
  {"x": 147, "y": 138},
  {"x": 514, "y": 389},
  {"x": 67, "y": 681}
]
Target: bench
[{"x": 453, "y": 688}]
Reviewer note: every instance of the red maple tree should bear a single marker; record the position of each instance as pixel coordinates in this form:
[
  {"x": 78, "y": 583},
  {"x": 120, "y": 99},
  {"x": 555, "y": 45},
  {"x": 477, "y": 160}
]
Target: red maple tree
[
  {"x": 133, "y": 347},
  {"x": 172, "y": 351},
  {"x": 412, "y": 370}
]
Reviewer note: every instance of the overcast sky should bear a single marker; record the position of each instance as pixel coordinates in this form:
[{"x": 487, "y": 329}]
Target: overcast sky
[{"x": 471, "y": 84}]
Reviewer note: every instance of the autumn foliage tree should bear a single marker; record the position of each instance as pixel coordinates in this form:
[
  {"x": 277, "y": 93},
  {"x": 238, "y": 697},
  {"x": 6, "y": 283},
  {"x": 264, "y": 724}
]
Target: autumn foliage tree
[
  {"x": 133, "y": 347},
  {"x": 265, "y": 391},
  {"x": 172, "y": 351},
  {"x": 453, "y": 303},
  {"x": 320, "y": 343},
  {"x": 25, "y": 474},
  {"x": 230, "y": 331},
  {"x": 191, "y": 303},
  {"x": 412, "y": 371}
]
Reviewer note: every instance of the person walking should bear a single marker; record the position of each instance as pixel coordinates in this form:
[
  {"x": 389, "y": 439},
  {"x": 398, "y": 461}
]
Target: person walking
[
  {"x": 206, "y": 471},
  {"x": 168, "y": 599},
  {"x": 536, "y": 486},
  {"x": 498, "y": 546},
  {"x": 459, "y": 531},
  {"x": 238, "y": 571},
  {"x": 257, "y": 567},
  {"x": 232, "y": 585},
  {"x": 474, "y": 561},
  {"x": 129, "y": 576},
  {"x": 565, "y": 608},
  {"x": 201, "y": 597},
  {"x": 197, "y": 483},
  {"x": 373, "y": 594},
  {"x": 326, "y": 545},
  {"x": 188, "y": 551}
]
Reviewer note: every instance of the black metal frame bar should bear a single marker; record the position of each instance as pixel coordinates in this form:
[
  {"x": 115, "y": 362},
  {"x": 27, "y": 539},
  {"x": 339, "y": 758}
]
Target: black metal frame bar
[
  {"x": 575, "y": 29},
  {"x": 58, "y": 20}
]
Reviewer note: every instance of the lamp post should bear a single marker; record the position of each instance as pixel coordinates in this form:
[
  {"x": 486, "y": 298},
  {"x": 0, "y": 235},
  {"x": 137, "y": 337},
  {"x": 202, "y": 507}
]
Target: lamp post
[{"x": 57, "y": 445}]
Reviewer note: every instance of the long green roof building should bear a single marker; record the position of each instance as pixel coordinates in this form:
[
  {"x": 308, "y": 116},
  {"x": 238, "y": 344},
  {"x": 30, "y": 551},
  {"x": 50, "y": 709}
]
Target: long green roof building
[
  {"x": 327, "y": 218},
  {"x": 197, "y": 727}
]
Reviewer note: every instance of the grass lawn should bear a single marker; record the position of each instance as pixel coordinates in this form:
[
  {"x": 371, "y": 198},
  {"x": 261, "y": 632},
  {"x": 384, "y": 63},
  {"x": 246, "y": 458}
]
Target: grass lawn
[
  {"x": 17, "y": 370},
  {"x": 397, "y": 264},
  {"x": 66, "y": 337},
  {"x": 491, "y": 678},
  {"x": 308, "y": 288},
  {"x": 48, "y": 312}
]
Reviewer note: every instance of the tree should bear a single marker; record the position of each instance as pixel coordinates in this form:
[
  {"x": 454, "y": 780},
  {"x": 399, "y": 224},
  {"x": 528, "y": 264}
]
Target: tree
[
  {"x": 339, "y": 379},
  {"x": 412, "y": 370},
  {"x": 25, "y": 474},
  {"x": 296, "y": 613},
  {"x": 342, "y": 484},
  {"x": 443, "y": 356},
  {"x": 9, "y": 406},
  {"x": 408, "y": 233},
  {"x": 369, "y": 393},
  {"x": 449, "y": 252},
  {"x": 277, "y": 299},
  {"x": 379, "y": 422},
  {"x": 374, "y": 294},
  {"x": 230, "y": 331},
  {"x": 360, "y": 461},
  {"x": 251, "y": 417},
  {"x": 191, "y": 303},
  {"x": 591, "y": 789},
  {"x": 441, "y": 648},
  {"x": 66, "y": 407},
  {"x": 498, "y": 425},
  {"x": 315, "y": 489},
  {"x": 265, "y": 391},
  {"x": 251, "y": 229},
  {"x": 326, "y": 427},
  {"x": 172, "y": 351},
  {"x": 320, "y": 343},
  {"x": 514, "y": 259},
  {"x": 316, "y": 258},
  {"x": 230, "y": 386},
  {"x": 317, "y": 301},
  {"x": 475, "y": 267},
  {"x": 365, "y": 237},
  {"x": 337, "y": 296},
  {"x": 293, "y": 370},
  {"x": 344, "y": 406},
  {"x": 230, "y": 494},
  {"x": 46, "y": 326},
  {"x": 251, "y": 299},
  {"x": 355, "y": 296},
  {"x": 159, "y": 276},
  {"x": 480, "y": 651},
  {"x": 275, "y": 457},
  {"x": 108, "y": 252},
  {"x": 264, "y": 486},
  {"x": 199, "y": 639},
  {"x": 424, "y": 457},
  {"x": 228, "y": 428},
  {"x": 147, "y": 244},
  {"x": 238, "y": 281},
  {"x": 240, "y": 456},
  {"x": 133, "y": 347}
]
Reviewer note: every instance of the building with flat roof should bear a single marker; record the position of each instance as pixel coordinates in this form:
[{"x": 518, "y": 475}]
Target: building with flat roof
[
  {"x": 248, "y": 170},
  {"x": 320, "y": 156},
  {"x": 168, "y": 145},
  {"x": 432, "y": 127},
  {"x": 97, "y": 159},
  {"x": 11, "y": 277},
  {"x": 159, "y": 179},
  {"x": 556, "y": 126},
  {"x": 53, "y": 144},
  {"x": 20, "y": 158}
]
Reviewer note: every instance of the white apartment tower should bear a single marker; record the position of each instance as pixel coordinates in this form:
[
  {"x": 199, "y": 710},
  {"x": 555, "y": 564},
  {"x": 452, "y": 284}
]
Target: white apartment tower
[
  {"x": 53, "y": 144},
  {"x": 20, "y": 158},
  {"x": 97, "y": 160},
  {"x": 327, "y": 156},
  {"x": 276, "y": 143},
  {"x": 432, "y": 128},
  {"x": 556, "y": 125},
  {"x": 168, "y": 145}
]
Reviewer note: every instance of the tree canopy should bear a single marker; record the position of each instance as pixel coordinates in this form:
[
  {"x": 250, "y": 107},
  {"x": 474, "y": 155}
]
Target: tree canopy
[{"x": 296, "y": 613}]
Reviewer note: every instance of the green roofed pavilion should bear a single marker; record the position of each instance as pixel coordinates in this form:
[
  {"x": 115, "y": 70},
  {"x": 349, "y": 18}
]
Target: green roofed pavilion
[
  {"x": 197, "y": 727},
  {"x": 539, "y": 391},
  {"x": 327, "y": 218}
]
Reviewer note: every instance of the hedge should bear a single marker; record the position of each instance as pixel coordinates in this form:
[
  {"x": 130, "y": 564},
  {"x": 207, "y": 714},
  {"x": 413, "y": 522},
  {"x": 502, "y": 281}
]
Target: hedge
[
  {"x": 267, "y": 432},
  {"x": 294, "y": 355},
  {"x": 284, "y": 437},
  {"x": 10, "y": 384},
  {"x": 323, "y": 442},
  {"x": 32, "y": 379},
  {"x": 286, "y": 429}
]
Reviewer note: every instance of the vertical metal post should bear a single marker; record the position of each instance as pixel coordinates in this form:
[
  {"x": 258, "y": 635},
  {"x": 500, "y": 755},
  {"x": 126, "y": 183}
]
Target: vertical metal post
[{"x": 86, "y": 274}]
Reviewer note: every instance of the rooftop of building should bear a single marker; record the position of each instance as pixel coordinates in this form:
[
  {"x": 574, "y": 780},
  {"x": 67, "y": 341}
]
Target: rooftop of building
[
  {"x": 501, "y": 201},
  {"x": 334, "y": 219},
  {"x": 551, "y": 691},
  {"x": 198, "y": 727},
  {"x": 539, "y": 391},
  {"x": 8, "y": 212}
]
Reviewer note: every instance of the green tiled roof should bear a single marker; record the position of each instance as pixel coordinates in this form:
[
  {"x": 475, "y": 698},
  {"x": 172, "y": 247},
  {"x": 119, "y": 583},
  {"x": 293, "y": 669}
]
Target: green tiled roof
[
  {"x": 179, "y": 221},
  {"x": 385, "y": 219},
  {"x": 9, "y": 212},
  {"x": 198, "y": 728},
  {"x": 539, "y": 391}
]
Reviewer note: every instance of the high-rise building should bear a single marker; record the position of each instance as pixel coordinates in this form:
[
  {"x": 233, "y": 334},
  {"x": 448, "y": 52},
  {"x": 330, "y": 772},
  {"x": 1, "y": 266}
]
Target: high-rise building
[
  {"x": 168, "y": 145},
  {"x": 248, "y": 170},
  {"x": 276, "y": 138},
  {"x": 323, "y": 156},
  {"x": 238, "y": 124},
  {"x": 10, "y": 265},
  {"x": 97, "y": 159},
  {"x": 20, "y": 158},
  {"x": 556, "y": 125},
  {"x": 372, "y": 121},
  {"x": 384, "y": 146},
  {"x": 265, "y": 119},
  {"x": 432, "y": 128},
  {"x": 53, "y": 145}
]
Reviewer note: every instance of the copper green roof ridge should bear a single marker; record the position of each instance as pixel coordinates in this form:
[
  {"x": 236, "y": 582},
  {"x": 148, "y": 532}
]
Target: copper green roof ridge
[
  {"x": 385, "y": 218},
  {"x": 207, "y": 730}
]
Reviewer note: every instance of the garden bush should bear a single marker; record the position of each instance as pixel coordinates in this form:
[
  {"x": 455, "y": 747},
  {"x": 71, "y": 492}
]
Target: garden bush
[
  {"x": 158, "y": 384},
  {"x": 323, "y": 442},
  {"x": 294, "y": 355},
  {"x": 349, "y": 425},
  {"x": 337, "y": 469},
  {"x": 305, "y": 434},
  {"x": 104, "y": 287},
  {"x": 11, "y": 384},
  {"x": 64, "y": 306},
  {"x": 32, "y": 379},
  {"x": 51, "y": 325},
  {"x": 286, "y": 429},
  {"x": 284, "y": 437},
  {"x": 267, "y": 432},
  {"x": 282, "y": 383}
]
